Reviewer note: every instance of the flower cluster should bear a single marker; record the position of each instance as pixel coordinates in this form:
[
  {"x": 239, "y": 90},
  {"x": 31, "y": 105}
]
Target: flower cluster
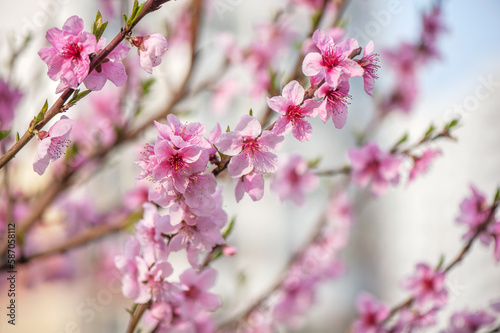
[
  {"x": 474, "y": 213},
  {"x": 252, "y": 152},
  {"x": 176, "y": 164},
  {"x": 72, "y": 50}
]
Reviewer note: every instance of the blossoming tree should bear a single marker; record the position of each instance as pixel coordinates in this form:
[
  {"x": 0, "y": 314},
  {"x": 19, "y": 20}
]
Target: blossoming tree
[{"x": 176, "y": 219}]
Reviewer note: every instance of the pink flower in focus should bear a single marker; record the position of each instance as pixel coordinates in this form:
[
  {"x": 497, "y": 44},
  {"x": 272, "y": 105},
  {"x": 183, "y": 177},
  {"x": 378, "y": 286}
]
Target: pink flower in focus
[
  {"x": 427, "y": 286},
  {"x": 473, "y": 212},
  {"x": 195, "y": 292},
  {"x": 251, "y": 149},
  {"x": 293, "y": 179},
  {"x": 291, "y": 112},
  {"x": 68, "y": 58},
  {"x": 253, "y": 184},
  {"x": 150, "y": 230},
  {"x": 332, "y": 61},
  {"x": 336, "y": 33},
  {"x": 371, "y": 165},
  {"x": 53, "y": 144},
  {"x": 369, "y": 64},
  {"x": 469, "y": 322},
  {"x": 334, "y": 102},
  {"x": 151, "y": 48},
  {"x": 177, "y": 165},
  {"x": 182, "y": 135},
  {"x": 421, "y": 163},
  {"x": 9, "y": 98},
  {"x": 372, "y": 315},
  {"x": 107, "y": 69}
]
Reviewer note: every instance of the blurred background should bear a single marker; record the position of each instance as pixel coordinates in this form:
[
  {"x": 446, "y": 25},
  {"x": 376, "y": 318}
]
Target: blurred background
[{"x": 390, "y": 235}]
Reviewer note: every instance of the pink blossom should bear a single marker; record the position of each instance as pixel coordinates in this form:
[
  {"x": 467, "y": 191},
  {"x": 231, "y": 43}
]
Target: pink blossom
[
  {"x": 182, "y": 135},
  {"x": 473, "y": 212},
  {"x": 291, "y": 112},
  {"x": 311, "y": 4},
  {"x": 151, "y": 280},
  {"x": 421, "y": 163},
  {"x": 108, "y": 69},
  {"x": 494, "y": 231},
  {"x": 297, "y": 296},
  {"x": 68, "y": 58},
  {"x": 340, "y": 209},
  {"x": 151, "y": 48},
  {"x": 369, "y": 64},
  {"x": 469, "y": 322},
  {"x": 150, "y": 230},
  {"x": 334, "y": 102},
  {"x": 252, "y": 183},
  {"x": 403, "y": 97},
  {"x": 294, "y": 179},
  {"x": 372, "y": 315},
  {"x": 427, "y": 286},
  {"x": 9, "y": 98},
  {"x": 251, "y": 149},
  {"x": 371, "y": 165},
  {"x": 332, "y": 59},
  {"x": 194, "y": 288},
  {"x": 411, "y": 319},
  {"x": 52, "y": 144},
  {"x": 433, "y": 25},
  {"x": 178, "y": 165},
  {"x": 160, "y": 314},
  {"x": 336, "y": 33}
]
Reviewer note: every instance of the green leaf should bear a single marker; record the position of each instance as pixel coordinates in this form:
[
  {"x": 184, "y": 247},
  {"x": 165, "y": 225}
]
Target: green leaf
[
  {"x": 146, "y": 86},
  {"x": 314, "y": 163},
  {"x": 45, "y": 107},
  {"x": 17, "y": 137},
  {"x": 229, "y": 228},
  {"x": 497, "y": 194},
  {"x": 3, "y": 134},
  {"x": 250, "y": 112},
  {"x": 441, "y": 262},
  {"x": 429, "y": 131},
  {"x": 403, "y": 139},
  {"x": 77, "y": 96},
  {"x": 228, "y": 129},
  {"x": 125, "y": 19},
  {"x": 452, "y": 123},
  {"x": 98, "y": 26}
]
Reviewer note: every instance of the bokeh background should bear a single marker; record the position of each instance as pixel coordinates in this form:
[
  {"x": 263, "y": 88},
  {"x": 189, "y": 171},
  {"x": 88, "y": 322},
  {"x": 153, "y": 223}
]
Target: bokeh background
[{"x": 412, "y": 223}]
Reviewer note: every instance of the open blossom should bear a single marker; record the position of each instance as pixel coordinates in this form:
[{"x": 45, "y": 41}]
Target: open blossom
[
  {"x": 332, "y": 61},
  {"x": 251, "y": 149},
  {"x": 194, "y": 288},
  {"x": 469, "y": 322},
  {"x": 9, "y": 98},
  {"x": 335, "y": 101},
  {"x": 372, "y": 315},
  {"x": 178, "y": 165},
  {"x": 108, "y": 69},
  {"x": 427, "y": 286},
  {"x": 68, "y": 58},
  {"x": 293, "y": 179},
  {"x": 53, "y": 144},
  {"x": 372, "y": 166},
  {"x": 422, "y": 162},
  {"x": 473, "y": 212},
  {"x": 291, "y": 112},
  {"x": 253, "y": 184},
  {"x": 151, "y": 48},
  {"x": 369, "y": 64},
  {"x": 150, "y": 230}
]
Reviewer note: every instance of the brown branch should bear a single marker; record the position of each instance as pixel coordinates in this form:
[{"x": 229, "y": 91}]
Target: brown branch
[
  {"x": 482, "y": 227},
  {"x": 82, "y": 239},
  {"x": 136, "y": 317}
]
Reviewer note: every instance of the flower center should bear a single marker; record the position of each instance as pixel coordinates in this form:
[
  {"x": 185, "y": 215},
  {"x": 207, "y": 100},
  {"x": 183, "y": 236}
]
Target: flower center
[
  {"x": 71, "y": 51},
  {"x": 294, "y": 112},
  {"x": 332, "y": 58},
  {"x": 176, "y": 163}
]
